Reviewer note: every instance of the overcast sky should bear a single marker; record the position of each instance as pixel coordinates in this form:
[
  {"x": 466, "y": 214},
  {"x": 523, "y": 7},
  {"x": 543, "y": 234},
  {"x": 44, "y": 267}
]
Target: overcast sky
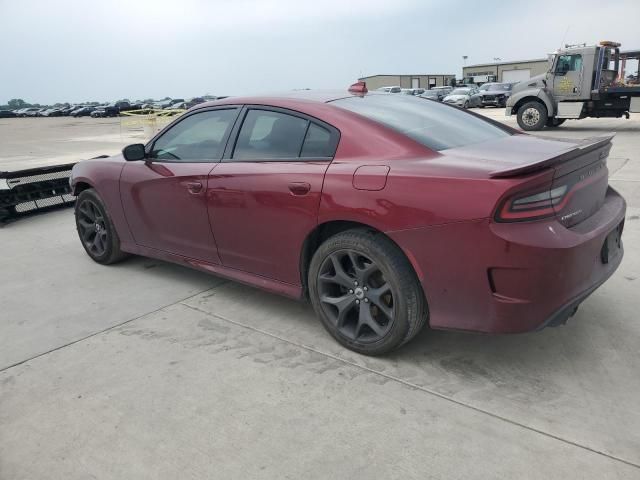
[{"x": 80, "y": 50}]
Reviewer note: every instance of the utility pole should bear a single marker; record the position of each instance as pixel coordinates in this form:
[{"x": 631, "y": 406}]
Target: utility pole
[{"x": 464, "y": 60}]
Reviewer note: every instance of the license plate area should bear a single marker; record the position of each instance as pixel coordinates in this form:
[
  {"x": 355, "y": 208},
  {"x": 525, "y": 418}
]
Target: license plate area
[{"x": 612, "y": 245}]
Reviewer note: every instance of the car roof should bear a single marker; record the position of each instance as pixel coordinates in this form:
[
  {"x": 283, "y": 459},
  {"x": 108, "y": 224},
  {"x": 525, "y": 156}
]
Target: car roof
[{"x": 304, "y": 96}]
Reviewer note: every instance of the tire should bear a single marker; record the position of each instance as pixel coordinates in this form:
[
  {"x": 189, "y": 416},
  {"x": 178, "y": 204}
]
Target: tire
[
  {"x": 381, "y": 303},
  {"x": 466, "y": 105},
  {"x": 555, "y": 122},
  {"x": 532, "y": 116},
  {"x": 95, "y": 229},
  {"x": 480, "y": 106}
]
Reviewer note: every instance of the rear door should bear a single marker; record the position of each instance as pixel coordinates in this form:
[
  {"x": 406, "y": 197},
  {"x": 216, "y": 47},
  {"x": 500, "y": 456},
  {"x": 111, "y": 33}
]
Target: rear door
[
  {"x": 164, "y": 197},
  {"x": 265, "y": 194}
]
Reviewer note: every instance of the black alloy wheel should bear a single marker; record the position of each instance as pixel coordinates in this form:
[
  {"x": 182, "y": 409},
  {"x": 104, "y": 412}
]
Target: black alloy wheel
[
  {"x": 92, "y": 228},
  {"x": 95, "y": 229},
  {"x": 356, "y": 296},
  {"x": 365, "y": 291}
]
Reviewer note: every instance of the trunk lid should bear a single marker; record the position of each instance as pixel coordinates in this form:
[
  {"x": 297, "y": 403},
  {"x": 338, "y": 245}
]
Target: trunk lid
[{"x": 578, "y": 165}]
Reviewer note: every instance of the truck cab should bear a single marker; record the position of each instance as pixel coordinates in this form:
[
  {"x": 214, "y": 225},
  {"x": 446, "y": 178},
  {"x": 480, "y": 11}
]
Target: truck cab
[{"x": 582, "y": 81}]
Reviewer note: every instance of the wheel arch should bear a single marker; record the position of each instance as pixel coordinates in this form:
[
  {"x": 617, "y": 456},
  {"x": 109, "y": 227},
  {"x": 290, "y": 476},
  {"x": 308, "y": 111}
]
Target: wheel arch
[
  {"x": 328, "y": 229},
  {"x": 81, "y": 186},
  {"x": 533, "y": 98}
]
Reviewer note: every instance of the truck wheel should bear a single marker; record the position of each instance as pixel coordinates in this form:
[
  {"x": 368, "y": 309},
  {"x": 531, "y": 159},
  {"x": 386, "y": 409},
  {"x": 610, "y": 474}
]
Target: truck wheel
[
  {"x": 555, "y": 122},
  {"x": 532, "y": 116}
]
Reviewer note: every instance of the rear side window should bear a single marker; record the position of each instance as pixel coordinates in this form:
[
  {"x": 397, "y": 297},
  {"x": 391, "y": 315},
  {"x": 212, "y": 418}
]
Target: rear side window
[
  {"x": 267, "y": 134},
  {"x": 436, "y": 126},
  {"x": 317, "y": 143}
]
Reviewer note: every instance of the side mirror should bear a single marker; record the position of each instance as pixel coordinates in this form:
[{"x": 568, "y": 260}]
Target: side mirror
[{"x": 134, "y": 152}]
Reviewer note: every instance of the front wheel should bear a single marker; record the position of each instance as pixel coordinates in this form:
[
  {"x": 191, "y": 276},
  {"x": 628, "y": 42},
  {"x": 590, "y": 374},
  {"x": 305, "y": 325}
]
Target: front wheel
[
  {"x": 95, "y": 229},
  {"x": 365, "y": 292},
  {"x": 532, "y": 116}
]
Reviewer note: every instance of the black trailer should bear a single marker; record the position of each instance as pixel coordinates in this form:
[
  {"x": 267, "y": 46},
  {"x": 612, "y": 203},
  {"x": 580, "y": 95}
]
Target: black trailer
[{"x": 33, "y": 190}]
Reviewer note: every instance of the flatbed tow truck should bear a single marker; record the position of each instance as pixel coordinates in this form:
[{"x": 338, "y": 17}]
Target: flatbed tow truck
[{"x": 582, "y": 81}]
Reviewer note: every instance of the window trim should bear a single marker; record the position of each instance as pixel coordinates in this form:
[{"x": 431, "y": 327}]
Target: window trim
[
  {"x": 225, "y": 140},
  {"x": 227, "y": 157}
]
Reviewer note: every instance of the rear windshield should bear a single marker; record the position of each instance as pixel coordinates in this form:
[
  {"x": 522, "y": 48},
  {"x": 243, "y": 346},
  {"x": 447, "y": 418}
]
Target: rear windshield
[{"x": 432, "y": 124}]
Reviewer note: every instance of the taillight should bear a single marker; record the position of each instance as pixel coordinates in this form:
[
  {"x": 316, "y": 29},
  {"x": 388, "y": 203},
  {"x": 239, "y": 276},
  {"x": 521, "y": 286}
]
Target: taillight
[{"x": 532, "y": 205}]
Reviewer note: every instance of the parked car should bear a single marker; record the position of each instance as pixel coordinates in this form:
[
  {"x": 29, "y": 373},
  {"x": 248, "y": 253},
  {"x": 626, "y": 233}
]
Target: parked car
[
  {"x": 51, "y": 112},
  {"x": 389, "y": 89},
  {"x": 437, "y": 95},
  {"x": 7, "y": 114},
  {"x": 412, "y": 91},
  {"x": 83, "y": 111},
  {"x": 495, "y": 94},
  {"x": 68, "y": 109},
  {"x": 162, "y": 104},
  {"x": 179, "y": 105},
  {"x": 34, "y": 112},
  {"x": 464, "y": 97},
  {"x": 370, "y": 205},
  {"x": 103, "y": 111},
  {"x": 445, "y": 89},
  {"x": 192, "y": 102}
]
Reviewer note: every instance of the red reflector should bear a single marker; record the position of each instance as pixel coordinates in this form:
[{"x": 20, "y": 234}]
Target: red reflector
[{"x": 358, "y": 87}]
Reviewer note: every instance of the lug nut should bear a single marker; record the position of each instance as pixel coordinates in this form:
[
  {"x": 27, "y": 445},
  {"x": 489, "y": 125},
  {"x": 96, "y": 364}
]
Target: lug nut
[
  {"x": 366, "y": 300},
  {"x": 365, "y": 289},
  {"x": 357, "y": 302},
  {"x": 355, "y": 283},
  {"x": 350, "y": 291}
]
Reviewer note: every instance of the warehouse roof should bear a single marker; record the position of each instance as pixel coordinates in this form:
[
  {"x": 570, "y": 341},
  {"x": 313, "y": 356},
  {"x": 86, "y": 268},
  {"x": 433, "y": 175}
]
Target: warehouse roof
[{"x": 506, "y": 62}]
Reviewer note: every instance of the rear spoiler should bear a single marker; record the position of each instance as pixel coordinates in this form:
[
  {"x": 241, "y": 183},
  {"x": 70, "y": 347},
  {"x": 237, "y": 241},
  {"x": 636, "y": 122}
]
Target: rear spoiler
[
  {"x": 583, "y": 147},
  {"x": 34, "y": 189}
]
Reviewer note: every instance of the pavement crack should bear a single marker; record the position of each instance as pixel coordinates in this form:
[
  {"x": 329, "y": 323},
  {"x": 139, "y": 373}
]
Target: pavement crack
[
  {"x": 417, "y": 387},
  {"x": 112, "y": 327},
  {"x": 624, "y": 164}
]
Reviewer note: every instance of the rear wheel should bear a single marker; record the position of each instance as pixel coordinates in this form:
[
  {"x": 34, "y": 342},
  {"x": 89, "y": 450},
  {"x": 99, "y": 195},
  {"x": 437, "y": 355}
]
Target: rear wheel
[
  {"x": 95, "y": 229},
  {"x": 554, "y": 122},
  {"x": 532, "y": 116},
  {"x": 365, "y": 292}
]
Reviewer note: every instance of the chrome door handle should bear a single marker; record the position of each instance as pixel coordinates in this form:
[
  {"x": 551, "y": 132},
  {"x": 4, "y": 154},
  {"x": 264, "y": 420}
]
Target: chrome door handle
[
  {"x": 299, "y": 188},
  {"x": 194, "y": 187}
]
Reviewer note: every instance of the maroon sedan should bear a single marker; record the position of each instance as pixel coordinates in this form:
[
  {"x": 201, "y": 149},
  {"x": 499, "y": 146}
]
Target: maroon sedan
[{"x": 386, "y": 211}]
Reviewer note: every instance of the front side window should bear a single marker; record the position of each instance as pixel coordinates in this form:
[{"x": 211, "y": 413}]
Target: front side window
[
  {"x": 199, "y": 137},
  {"x": 569, "y": 63},
  {"x": 432, "y": 124}
]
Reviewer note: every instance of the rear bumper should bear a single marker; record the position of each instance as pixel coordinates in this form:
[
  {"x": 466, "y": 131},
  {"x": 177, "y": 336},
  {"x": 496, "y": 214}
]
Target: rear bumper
[{"x": 511, "y": 277}]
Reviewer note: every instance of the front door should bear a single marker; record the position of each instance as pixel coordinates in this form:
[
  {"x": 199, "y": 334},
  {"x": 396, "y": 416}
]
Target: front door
[
  {"x": 567, "y": 78},
  {"x": 265, "y": 194},
  {"x": 164, "y": 197}
]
